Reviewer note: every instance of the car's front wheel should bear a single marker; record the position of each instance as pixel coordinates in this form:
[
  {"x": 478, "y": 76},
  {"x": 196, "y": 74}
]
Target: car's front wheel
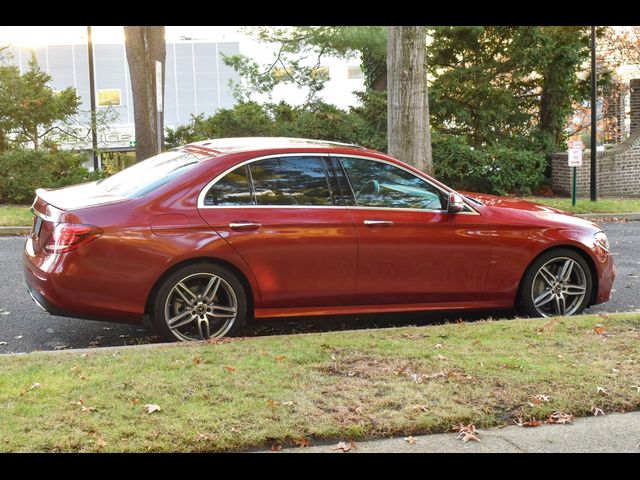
[
  {"x": 199, "y": 301},
  {"x": 557, "y": 283}
]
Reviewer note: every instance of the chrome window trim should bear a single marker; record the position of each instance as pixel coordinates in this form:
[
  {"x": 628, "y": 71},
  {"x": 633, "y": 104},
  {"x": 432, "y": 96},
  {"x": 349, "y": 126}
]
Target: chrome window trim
[{"x": 203, "y": 192}]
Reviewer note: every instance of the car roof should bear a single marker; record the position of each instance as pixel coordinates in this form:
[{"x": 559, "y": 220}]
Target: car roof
[{"x": 223, "y": 146}]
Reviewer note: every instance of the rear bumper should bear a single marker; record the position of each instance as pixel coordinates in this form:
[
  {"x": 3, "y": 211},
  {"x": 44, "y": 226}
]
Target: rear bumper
[{"x": 56, "y": 292}]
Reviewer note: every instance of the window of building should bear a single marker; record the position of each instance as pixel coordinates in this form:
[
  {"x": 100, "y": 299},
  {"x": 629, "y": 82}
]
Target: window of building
[
  {"x": 354, "y": 72},
  {"x": 109, "y": 97}
]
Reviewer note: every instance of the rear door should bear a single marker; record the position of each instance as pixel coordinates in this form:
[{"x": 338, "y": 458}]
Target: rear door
[
  {"x": 410, "y": 249},
  {"x": 284, "y": 218}
]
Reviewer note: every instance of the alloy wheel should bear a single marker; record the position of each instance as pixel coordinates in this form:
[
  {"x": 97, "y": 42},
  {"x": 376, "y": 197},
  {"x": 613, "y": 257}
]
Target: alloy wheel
[
  {"x": 200, "y": 306},
  {"x": 559, "y": 287}
]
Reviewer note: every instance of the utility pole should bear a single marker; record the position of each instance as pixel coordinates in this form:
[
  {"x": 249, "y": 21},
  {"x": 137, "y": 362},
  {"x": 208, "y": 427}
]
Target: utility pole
[
  {"x": 594, "y": 119},
  {"x": 92, "y": 90}
]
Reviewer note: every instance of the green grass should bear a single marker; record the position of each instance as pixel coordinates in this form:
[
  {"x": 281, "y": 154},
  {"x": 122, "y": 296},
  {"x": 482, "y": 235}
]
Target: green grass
[
  {"x": 603, "y": 205},
  {"x": 256, "y": 392},
  {"x": 15, "y": 216}
]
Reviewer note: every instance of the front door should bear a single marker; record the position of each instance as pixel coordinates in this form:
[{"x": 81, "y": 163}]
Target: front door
[
  {"x": 410, "y": 250},
  {"x": 282, "y": 216}
]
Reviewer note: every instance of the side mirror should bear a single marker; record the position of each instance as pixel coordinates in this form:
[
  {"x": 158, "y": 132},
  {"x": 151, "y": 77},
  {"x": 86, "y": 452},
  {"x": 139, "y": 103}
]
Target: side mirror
[{"x": 456, "y": 203}]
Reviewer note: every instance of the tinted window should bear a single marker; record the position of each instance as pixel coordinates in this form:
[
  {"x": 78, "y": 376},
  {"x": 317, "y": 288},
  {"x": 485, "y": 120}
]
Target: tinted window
[
  {"x": 378, "y": 184},
  {"x": 342, "y": 193},
  {"x": 232, "y": 189},
  {"x": 290, "y": 181}
]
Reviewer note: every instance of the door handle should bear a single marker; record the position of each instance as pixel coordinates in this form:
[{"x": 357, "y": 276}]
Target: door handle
[
  {"x": 240, "y": 225},
  {"x": 378, "y": 223}
]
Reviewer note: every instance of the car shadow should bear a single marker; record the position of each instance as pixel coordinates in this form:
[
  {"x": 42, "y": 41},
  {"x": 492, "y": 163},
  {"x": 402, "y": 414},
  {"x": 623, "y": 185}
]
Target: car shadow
[{"x": 296, "y": 325}]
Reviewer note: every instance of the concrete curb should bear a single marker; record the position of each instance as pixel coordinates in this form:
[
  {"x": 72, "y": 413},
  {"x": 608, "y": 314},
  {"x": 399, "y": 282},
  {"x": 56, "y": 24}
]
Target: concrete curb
[
  {"x": 617, "y": 432},
  {"x": 5, "y": 231},
  {"x": 92, "y": 350}
]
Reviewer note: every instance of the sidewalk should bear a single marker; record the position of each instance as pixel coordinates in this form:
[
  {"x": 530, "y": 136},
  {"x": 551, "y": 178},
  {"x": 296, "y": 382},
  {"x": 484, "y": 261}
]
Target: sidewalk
[{"x": 611, "y": 433}]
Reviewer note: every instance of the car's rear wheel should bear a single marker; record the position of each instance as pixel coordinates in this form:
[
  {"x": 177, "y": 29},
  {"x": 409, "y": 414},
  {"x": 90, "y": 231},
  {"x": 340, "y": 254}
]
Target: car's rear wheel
[
  {"x": 199, "y": 301},
  {"x": 557, "y": 283}
]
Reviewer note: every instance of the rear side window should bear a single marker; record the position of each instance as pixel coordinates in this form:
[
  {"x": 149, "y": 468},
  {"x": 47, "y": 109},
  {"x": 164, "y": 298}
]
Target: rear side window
[
  {"x": 232, "y": 189},
  {"x": 290, "y": 181}
]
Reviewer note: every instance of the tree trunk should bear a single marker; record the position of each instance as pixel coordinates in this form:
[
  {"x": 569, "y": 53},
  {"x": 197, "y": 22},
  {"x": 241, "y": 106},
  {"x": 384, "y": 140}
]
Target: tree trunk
[
  {"x": 145, "y": 46},
  {"x": 408, "y": 103}
]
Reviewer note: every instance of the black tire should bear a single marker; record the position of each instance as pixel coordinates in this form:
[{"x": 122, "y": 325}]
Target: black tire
[
  {"x": 525, "y": 301},
  {"x": 196, "y": 276}
]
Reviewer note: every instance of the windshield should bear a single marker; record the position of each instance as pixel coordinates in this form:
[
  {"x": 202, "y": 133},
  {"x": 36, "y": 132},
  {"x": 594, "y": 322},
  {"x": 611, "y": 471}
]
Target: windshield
[{"x": 150, "y": 174}]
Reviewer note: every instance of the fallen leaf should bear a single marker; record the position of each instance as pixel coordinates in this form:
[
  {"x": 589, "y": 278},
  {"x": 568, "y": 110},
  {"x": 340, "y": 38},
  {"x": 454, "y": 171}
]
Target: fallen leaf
[
  {"x": 87, "y": 409},
  {"x": 439, "y": 374},
  {"x": 152, "y": 408},
  {"x": 469, "y": 436},
  {"x": 345, "y": 447},
  {"x": 599, "y": 329},
  {"x": 561, "y": 357},
  {"x": 35, "y": 385},
  {"x": 279, "y": 358},
  {"x": 530, "y": 423},
  {"x": 441, "y": 357},
  {"x": 276, "y": 447},
  {"x": 437, "y": 345},
  {"x": 201, "y": 437},
  {"x": 302, "y": 442},
  {"x": 560, "y": 418},
  {"x": 410, "y": 440},
  {"x": 597, "y": 411},
  {"x": 100, "y": 443},
  {"x": 288, "y": 404},
  {"x": 76, "y": 402},
  {"x": 602, "y": 390},
  {"x": 197, "y": 360},
  {"x": 420, "y": 408},
  {"x": 229, "y": 369},
  {"x": 272, "y": 403},
  {"x": 615, "y": 370},
  {"x": 351, "y": 374}
]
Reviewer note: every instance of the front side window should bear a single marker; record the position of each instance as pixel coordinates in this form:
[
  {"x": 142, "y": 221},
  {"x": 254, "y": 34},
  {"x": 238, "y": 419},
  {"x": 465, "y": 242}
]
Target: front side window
[
  {"x": 378, "y": 184},
  {"x": 290, "y": 181}
]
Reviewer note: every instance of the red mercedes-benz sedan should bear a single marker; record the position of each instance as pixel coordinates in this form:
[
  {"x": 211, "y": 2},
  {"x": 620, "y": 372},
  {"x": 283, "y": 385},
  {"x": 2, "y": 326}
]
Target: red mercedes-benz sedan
[{"x": 206, "y": 237}]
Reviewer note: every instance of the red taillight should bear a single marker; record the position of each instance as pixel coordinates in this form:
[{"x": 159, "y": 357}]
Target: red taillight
[{"x": 69, "y": 236}]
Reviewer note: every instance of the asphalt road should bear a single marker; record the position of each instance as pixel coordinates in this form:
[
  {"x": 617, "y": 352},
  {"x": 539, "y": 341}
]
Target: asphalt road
[{"x": 25, "y": 327}]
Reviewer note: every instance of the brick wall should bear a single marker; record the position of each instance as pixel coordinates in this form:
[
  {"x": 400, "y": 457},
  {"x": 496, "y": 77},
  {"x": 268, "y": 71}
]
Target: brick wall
[
  {"x": 634, "y": 101},
  {"x": 617, "y": 168},
  {"x": 617, "y": 171}
]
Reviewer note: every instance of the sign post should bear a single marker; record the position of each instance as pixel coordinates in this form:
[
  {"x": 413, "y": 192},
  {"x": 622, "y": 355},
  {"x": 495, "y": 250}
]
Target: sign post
[
  {"x": 574, "y": 161},
  {"x": 159, "y": 102}
]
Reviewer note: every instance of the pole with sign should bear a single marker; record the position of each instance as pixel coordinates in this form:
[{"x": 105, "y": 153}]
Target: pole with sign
[
  {"x": 574, "y": 160},
  {"x": 159, "y": 103}
]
